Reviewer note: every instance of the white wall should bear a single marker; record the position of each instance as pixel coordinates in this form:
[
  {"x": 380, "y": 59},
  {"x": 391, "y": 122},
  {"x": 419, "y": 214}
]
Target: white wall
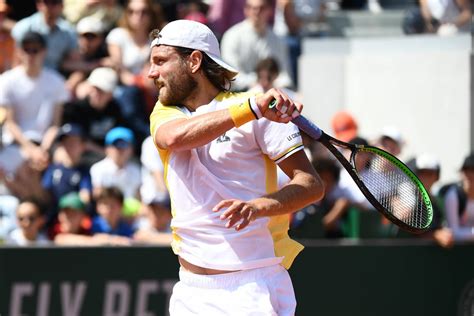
[{"x": 421, "y": 84}]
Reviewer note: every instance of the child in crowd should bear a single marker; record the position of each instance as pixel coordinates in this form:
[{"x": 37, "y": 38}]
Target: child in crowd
[
  {"x": 31, "y": 219},
  {"x": 116, "y": 169},
  {"x": 155, "y": 229}
]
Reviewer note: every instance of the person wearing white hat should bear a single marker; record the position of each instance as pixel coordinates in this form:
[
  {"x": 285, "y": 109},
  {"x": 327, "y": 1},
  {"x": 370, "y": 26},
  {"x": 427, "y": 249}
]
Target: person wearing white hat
[{"x": 220, "y": 150}]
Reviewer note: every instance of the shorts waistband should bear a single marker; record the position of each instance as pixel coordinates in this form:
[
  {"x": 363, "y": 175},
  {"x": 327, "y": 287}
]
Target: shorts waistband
[{"x": 226, "y": 280}]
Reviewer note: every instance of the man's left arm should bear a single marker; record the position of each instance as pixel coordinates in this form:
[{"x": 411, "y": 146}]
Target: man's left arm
[{"x": 304, "y": 188}]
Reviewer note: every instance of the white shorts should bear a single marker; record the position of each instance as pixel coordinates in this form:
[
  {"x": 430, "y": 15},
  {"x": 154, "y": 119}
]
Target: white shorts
[{"x": 262, "y": 291}]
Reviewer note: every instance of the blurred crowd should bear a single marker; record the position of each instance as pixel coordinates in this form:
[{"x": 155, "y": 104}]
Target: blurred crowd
[{"x": 77, "y": 164}]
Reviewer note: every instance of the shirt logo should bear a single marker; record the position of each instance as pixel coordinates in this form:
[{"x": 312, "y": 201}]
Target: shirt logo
[
  {"x": 293, "y": 136},
  {"x": 223, "y": 138}
]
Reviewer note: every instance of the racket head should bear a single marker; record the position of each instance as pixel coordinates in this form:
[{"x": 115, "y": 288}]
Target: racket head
[{"x": 387, "y": 183}]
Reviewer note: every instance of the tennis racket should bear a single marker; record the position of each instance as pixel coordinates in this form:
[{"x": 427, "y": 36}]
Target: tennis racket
[{"x": 387, "y": 183}]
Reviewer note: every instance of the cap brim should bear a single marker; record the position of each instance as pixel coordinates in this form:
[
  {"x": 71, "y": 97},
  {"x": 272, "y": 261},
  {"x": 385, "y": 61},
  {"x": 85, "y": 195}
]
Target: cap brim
[{"x": 224, "y": 65}]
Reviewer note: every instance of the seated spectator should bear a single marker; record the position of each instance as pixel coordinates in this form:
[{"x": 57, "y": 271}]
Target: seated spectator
[
  {"x": 98, "y": 111},
  {"x": 60, "y": 36},
  {"x": 73, "y": 226},
  {"x": 344, "y": 126},
  {"x": 109, "y": 220},
  {"x": 33, "y": 96},
  {"x": 31, "y": 219},
  {"x": 155, "y": 229},
  {"x": 459, "y": 204},
  {"x": 428, "y": 169},
  {"x": 333, "y": 206},
  {"x": 7, "y": 43},
  {"x": 116, "y": 169},
  {"x": 251, "y": 40},
  {"x": 391, "y": 140},
  {"x": 443, "y": 17},
  {"x": 65, "y": 174},
  {"x": 362, "y": 165},
  {"x": 92, "y": 51}
]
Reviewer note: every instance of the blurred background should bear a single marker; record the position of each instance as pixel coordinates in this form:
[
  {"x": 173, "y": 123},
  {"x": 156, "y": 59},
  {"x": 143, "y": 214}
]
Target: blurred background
[{"x": 84, "y": 211}]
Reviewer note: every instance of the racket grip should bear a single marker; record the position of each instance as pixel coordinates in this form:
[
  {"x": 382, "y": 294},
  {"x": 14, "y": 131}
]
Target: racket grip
[{"x": 307, "y": 126}]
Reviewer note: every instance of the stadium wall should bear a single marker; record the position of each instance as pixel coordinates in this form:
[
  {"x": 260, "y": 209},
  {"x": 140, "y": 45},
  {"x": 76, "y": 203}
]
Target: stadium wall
[
  {"x": 405, "y": 277},
  {"x": 421, "y": 84}
]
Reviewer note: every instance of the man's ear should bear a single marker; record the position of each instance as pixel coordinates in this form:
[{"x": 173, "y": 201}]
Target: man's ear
[{"x": 195, "y": 61}]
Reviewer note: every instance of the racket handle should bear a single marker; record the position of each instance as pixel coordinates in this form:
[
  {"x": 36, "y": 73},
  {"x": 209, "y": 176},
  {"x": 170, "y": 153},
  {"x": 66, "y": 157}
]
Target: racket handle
[
  {"x": 304, "y": 124},
  {"x": 307, "y": 126}
]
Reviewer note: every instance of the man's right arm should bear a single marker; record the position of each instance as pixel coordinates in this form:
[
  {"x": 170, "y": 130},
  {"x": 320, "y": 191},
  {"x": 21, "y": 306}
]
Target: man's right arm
[{"x": 187, "y": 133}]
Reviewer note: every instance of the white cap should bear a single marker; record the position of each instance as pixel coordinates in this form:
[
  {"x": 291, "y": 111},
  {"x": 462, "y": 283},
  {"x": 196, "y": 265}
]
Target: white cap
[
  {"x": 194, "y": 35},
  {"x": 393, "y": 133},
  {"x": 427, "y": 162},
  {"x": 103, "y": 78},
  {"x": 90, "y": 24}
]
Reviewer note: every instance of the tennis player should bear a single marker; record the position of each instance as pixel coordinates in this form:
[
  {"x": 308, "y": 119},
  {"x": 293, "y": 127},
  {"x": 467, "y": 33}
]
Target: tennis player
[{"x": 220, "y": 150}]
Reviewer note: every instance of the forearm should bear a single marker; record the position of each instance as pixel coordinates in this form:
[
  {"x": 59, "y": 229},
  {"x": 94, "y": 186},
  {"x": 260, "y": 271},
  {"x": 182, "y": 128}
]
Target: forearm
[
  {"x": 301, "y": 191},
  {"x": 185, "y": 134},
  {"x": 336, "y": 212}
]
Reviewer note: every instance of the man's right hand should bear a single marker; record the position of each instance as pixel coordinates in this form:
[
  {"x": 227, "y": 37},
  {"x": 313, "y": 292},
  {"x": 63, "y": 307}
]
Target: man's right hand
[{"x": 285, "y": 109}]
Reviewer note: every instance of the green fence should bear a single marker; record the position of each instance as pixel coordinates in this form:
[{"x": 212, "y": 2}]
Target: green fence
[{"x": 379, "y": 278}]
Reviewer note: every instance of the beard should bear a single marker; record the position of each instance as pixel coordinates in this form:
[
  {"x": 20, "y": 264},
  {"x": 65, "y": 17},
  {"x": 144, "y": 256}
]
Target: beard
[{"x": 177, "y": 88}]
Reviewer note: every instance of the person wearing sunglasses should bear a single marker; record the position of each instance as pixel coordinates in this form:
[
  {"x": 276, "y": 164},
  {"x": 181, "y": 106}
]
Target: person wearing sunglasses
[
  {"x": 60, "y": 35},
  {"x": 31, "y": 220},
  {"x": 33, "y": 97}
]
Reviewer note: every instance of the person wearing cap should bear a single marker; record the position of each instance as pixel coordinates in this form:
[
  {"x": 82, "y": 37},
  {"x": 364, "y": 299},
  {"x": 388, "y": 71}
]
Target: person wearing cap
[
  {"x": 60, "y": 35},
  {"x": 428, "y": 169},
  {"x": 344, "y": 126},
  {"x": 117, "y": 169},
  {"x": 155, "y": 227},
  {"x": 220, "y": 151},
  {"x": 66, "y": 173},
  {"x": 72, "y": 220},
  {"x": 98, "y": 111},
  {"x": 92, "y": 50},
  {"x": 461, "y": 219},
  {"x": 391, "y": 140},
  {"x": 33, "y": 97},
  {"x": 251, "y": 40}
]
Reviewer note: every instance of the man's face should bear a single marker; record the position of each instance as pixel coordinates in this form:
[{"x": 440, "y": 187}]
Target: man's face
[
  {"x": 32, "y": 54},
  {"x": 52, "y": 9},
  {"x": 257, "y": 11},
  {"x": 29, "y": 219},
  {"x": 171, "y": 75}
]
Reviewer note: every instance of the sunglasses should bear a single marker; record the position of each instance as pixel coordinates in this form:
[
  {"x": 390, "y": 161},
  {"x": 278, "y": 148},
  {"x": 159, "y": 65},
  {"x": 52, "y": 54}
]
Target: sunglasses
[
  {"x": 32, "y": 50},
  {"x": 30, "y": 218},
  {"x": 89, "y": 36}
]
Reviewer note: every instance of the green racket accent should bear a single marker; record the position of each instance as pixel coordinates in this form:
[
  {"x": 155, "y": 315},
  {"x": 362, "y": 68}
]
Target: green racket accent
[{"x": 397, "y": 189}]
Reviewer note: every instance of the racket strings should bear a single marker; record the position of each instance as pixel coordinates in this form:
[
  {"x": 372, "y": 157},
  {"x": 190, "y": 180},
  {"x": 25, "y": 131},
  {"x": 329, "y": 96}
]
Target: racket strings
[{"x": 395, "y": 190}]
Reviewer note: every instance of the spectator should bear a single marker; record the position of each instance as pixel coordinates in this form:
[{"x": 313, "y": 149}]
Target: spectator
[
  {"x": 461, "y": 219},
  {"x": 391, "y": 140},
  {"x": 8, "y": 222},
  {"x": 92, "y": 51},
  {"x": 427, "y": 168},
  {"x": 31, "y": 220},
  {"x": 251, "y": 40},
  {"x": 153, "y": 186},
  {"x": 116, "y": 169},
  {"x": 156, "y": 228},
  {"x": 97, "y": 112},
  {"x": 34, "y": 97},
  {"x": 224, "y": 14},
  {"x": 73, "y": 226},
  {"x": 60, "y": 35},
  {"x": 7, "y": 43},
  {"x": 344, "y": 126},
  {"x": 443, "y": 17},
  {"x": 109, "y": 220},
  {"x": 128, "y": 46},
  {"x": 65, "y": 174},
  {"x": 362, "y": 165}
]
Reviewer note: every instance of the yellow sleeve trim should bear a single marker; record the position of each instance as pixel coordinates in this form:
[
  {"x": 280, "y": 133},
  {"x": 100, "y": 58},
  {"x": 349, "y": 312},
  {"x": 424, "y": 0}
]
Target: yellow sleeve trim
[{"x": 241, "y": 113}]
